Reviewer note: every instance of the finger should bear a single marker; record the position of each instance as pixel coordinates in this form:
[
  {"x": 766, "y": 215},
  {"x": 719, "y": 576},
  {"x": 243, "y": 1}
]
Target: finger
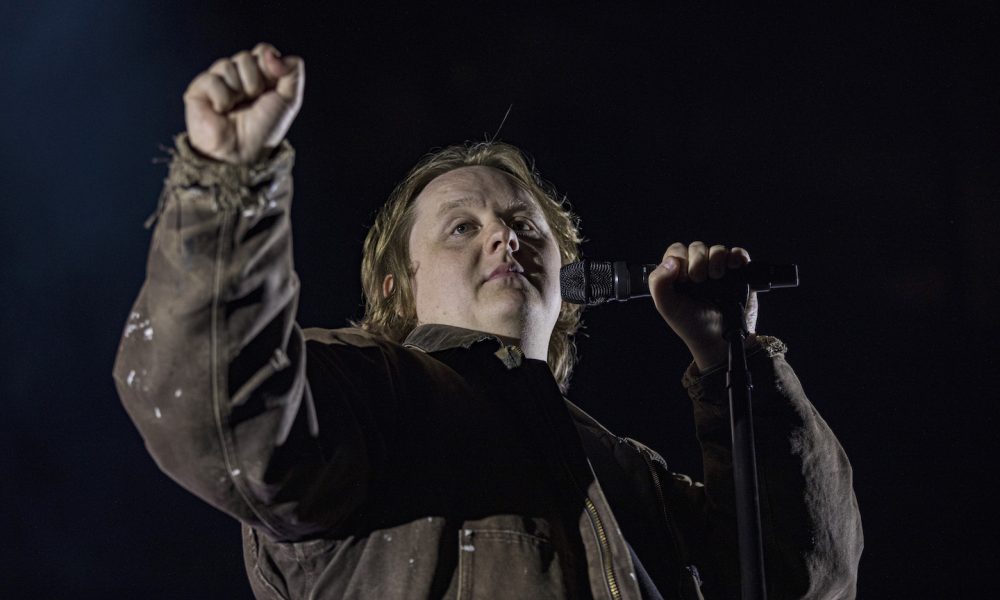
[
  {"x": 661, "y": 282},
  {"x": 210, "y": 88},
  {"x": 225, "y": 69},
  {"x": 737, "y": 258},
  {"x": 250, "y": 75},
  {"x": 676, "y": 249},
  {"x": 697, "y": 262},
  {"x": 675, "y": 261},
  {"x": 287, "y": 74},
  {"x": 264, "y": 47},
  {"x": 274, "y": 67},
  {"x": 292, "y": 83},
  {"x": 269, "y": 62},
  {"x": 717, "y": 261}
]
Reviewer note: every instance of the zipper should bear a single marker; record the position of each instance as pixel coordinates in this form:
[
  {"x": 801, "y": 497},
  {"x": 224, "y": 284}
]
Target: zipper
[
  {"x": 604, "y": 546},
  {"x": 602, "y": 538}
]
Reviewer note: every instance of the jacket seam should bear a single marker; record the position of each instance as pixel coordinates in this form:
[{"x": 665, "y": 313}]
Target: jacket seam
[{"x": 232, "y": 470}]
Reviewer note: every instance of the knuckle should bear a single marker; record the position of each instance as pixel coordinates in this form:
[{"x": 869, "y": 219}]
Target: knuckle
[
  {"x": 198, "y": 85},
  {"x": 215, "y": 83},
  {"x": 676, "y": 250}
]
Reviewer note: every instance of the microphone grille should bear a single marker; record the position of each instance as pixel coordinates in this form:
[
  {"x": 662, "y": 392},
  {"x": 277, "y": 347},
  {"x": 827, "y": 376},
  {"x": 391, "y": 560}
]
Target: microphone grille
[
  {"x": 572, "y": 283},
  {"x": 574, "y": 279}
]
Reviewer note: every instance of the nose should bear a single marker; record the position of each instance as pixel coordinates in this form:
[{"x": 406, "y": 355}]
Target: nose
[{"x": 502, "y": 238}]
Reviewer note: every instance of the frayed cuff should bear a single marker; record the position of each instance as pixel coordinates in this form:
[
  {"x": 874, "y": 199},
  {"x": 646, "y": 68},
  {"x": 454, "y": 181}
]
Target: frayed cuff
[
  {"x": 699, "y": 384},
  {"x": 235, "y": 185}
]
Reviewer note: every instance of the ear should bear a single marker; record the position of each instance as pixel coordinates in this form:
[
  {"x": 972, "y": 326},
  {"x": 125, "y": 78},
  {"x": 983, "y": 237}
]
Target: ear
[{"x": 388, "y": 284}]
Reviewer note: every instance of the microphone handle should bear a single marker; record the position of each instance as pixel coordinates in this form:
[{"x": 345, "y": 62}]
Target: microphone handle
[{"x": 632, "y": 281}]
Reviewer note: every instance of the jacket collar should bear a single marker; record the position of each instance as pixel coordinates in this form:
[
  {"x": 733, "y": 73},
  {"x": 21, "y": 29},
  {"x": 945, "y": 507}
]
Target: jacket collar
[{"x": 434, "y": 337}]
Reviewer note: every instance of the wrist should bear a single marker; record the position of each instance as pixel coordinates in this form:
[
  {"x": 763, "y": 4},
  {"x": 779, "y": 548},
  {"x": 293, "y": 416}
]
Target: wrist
[{"x": 710, "y": 357}]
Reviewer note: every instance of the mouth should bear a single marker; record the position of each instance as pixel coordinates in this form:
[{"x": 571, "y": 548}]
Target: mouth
[{"x": 506, "y": 270}]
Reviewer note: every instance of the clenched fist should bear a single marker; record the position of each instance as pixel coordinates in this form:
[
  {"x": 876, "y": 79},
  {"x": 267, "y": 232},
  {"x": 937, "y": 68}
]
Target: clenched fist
[
  {"x": 696, "y": 322},
  {"x": 240, "y": 109}
]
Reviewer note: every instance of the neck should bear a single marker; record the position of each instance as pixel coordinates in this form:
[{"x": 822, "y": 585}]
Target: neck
[
  {"x": 522, "y": 337},
  {"x": 532, "y": 349}
]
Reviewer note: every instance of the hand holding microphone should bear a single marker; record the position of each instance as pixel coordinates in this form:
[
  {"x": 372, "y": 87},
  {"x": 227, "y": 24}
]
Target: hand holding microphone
[{"x": 682, "y": 286}]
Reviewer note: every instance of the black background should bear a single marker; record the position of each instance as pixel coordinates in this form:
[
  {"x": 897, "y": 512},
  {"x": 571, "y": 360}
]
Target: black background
[{"x": 861, "y": 143}]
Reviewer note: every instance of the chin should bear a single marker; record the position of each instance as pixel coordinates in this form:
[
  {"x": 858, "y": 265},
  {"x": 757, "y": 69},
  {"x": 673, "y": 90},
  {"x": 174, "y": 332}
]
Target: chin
[{"x": 502, "y": 314}]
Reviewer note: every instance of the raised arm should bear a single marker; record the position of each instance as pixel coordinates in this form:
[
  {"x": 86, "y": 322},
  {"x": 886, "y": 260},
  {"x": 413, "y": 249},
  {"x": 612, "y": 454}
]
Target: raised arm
[{"x": 211, "y": 365}]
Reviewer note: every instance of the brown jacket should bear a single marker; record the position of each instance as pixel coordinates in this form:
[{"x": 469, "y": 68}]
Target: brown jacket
[{"x": 446, "y": 466}]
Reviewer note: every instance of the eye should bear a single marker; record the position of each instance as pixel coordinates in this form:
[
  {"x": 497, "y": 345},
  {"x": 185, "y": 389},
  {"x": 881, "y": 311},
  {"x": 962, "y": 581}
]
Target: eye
[
  {"x": 462, "y": 228},
  {"x": 523, "y": 226}
]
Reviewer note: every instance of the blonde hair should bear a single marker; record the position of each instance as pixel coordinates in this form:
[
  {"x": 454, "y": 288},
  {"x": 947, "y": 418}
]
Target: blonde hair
[{"x": 386, "y": 249}]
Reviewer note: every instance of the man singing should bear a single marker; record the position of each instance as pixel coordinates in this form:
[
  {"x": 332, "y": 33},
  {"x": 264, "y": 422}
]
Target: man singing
[{"x": 429, "y": 452}]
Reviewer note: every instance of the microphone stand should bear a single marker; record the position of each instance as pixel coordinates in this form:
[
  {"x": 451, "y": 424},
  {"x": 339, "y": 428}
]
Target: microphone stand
[
  {"x": 731, "y": 296},
  {"x": 733, "y": 307}
]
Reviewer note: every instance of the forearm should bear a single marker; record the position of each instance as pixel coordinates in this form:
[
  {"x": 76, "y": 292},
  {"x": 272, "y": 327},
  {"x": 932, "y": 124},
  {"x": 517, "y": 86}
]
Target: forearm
[{"x": 811, "y": 525}]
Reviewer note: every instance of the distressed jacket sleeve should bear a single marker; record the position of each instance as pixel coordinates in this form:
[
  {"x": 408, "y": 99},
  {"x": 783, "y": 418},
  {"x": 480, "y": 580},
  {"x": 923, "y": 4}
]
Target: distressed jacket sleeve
[
  {"x": 809, "y": 513},
  {"x": 211, "y": 364}
]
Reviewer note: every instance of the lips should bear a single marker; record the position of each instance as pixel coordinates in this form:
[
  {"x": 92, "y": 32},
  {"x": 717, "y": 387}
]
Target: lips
[{"x": 505, "y": 270}]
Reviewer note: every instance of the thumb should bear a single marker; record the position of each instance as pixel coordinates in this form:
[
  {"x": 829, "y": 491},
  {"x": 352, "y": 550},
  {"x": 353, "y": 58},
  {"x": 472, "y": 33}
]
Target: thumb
[
  {"x": 275, "y": 66},
  {"x": 661, "y": 284},
  {"x": 290, "y": 73}
]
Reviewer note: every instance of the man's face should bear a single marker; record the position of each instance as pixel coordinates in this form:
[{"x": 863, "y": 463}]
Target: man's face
[{"x": 484, "y": 258}]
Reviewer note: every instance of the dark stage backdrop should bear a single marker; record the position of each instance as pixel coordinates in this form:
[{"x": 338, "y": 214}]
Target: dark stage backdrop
[{"x": 861, "y": 144}]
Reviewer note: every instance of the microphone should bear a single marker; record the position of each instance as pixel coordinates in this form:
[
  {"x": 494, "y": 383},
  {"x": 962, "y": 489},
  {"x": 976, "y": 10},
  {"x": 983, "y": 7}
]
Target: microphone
[{"x": 593, "y": 282}]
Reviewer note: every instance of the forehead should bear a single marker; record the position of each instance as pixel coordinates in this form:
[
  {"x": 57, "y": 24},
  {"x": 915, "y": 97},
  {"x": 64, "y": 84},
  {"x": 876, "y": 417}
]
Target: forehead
[{"x": 474, "y": 186}]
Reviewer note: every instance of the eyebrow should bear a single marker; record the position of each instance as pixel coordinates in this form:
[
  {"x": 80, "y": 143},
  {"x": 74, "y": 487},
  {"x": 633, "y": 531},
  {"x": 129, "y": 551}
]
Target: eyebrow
[{"x": 465, "y": 201}]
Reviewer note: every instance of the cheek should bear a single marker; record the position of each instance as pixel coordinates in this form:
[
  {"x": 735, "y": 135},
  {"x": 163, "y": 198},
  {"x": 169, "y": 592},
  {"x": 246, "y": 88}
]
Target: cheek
[{"x": 442, "y": 278}]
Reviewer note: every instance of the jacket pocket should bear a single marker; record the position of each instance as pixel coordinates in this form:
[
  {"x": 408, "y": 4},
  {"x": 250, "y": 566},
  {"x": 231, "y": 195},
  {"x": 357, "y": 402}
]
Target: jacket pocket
[{"x": 500, "y": 564}]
